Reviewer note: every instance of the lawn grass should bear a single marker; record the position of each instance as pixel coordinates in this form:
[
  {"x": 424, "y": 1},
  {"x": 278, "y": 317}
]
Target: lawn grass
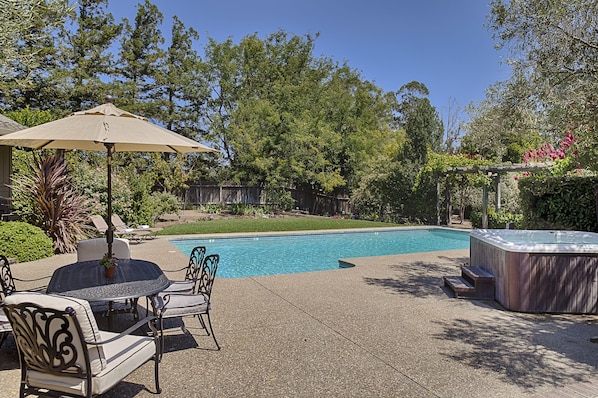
[{"x": 231, "y": 225}]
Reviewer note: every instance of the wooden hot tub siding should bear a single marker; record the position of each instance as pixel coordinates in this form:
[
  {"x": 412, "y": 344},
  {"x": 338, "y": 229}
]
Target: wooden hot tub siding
[{"x": 540, "y": 282}]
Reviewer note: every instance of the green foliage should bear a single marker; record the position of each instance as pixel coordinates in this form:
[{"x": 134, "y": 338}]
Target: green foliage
[
  {"x": 29, "y": 118},
  {"x": 26, "y": 37},
  {"x": 550, "y": 92},
  {"x": 54, "y": 205},
  {"x": 91, "y": 182},
  {"x": 242, "y": 209},
  {"x": 24, "y": 241},
  {"x": 283, "y": 116},
  {"x": 549, "y": 202},
  {"x": 441, "y": 162},
  {"x": 497, "y": 220},
  {"x": 423, "y": 126},
  {"x": 162, "y": 203},
  {"x": 211, "y": 208}
]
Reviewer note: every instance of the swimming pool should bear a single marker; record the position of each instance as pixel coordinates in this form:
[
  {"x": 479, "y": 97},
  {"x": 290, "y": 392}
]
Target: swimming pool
[{"x": 289, "y": 254}]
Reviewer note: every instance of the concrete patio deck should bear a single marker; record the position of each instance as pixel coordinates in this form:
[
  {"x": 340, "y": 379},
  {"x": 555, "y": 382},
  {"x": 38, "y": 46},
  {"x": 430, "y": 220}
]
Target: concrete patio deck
[{"x": 385, "y": 328}]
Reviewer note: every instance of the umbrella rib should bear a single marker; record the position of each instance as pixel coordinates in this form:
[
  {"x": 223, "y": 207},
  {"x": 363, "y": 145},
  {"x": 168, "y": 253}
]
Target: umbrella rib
[
  {"x": 44, "y": 145},
  {"x": 174, "y": 149}
]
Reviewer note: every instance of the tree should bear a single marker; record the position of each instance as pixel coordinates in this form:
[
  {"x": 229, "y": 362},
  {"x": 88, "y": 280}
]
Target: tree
[
  {"x": 423, "y": 126},
  {"x": 27, "y": 49},
  {"x": 504, "y": 125},
  {"x": 553, "y": 48},
  {"x": 284, "y": 117},
  {"x": 141, "y": 62},
  {"x": 85, "y": 57}
]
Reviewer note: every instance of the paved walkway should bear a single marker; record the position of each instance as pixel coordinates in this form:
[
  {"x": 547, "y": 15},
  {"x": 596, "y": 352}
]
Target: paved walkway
[{"x": 385, "y": 328}]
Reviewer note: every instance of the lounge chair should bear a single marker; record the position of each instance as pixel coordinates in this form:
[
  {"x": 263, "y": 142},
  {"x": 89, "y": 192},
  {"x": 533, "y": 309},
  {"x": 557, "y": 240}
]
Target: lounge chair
[
  {"x": 61, "y": 348},
  {"x": 144, "y": 231},
  {"x": 102, "y": 226}
]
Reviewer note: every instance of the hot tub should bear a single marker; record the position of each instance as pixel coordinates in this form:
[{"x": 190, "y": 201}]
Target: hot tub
[{"x": 540, "y": 271}]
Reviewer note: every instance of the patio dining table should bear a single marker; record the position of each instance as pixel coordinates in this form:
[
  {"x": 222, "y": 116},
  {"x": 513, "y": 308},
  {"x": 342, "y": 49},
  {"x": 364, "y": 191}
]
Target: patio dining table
[{"x": 87, "y": 280}]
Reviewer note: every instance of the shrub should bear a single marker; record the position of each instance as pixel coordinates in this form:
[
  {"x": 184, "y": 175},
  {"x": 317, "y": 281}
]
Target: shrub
[
  {"x": 559, "y": 202},
  {"x": 497, "y": 220},
  {"x": 54, "y": 205},
  {"x": 24, "y": 241}
]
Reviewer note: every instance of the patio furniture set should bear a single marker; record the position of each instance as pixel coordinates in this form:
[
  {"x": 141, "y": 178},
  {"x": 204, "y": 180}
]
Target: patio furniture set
[{"x": 59, "y": 343}]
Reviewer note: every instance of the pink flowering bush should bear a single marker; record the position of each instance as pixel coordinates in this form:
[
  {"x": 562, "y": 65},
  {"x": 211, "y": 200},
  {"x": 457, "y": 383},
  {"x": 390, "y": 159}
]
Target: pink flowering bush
[
  {"x": 564, "y": 157},
  {"x": 547, "y": 152}
]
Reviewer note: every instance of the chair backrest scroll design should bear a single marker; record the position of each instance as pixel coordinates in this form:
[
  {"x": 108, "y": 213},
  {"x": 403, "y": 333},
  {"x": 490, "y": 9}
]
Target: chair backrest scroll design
[
  {"x": 208, "y": 274},
  {"x": 195, "y": 263},
  {"x": 7, "y": 282},
  {"x": 49, "y": 340}
]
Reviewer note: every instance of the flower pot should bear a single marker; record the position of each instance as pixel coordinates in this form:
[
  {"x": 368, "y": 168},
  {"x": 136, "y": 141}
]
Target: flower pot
[{"x": 109, "y": 272}]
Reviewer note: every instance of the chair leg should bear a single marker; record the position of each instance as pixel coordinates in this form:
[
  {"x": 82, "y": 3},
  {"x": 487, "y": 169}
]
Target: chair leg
[
  {"x": 211, "y": 330},
  {"x": 157, "y": 360},
  {"x": 161, "y": 337},
  {"x": 203, "y": 324},
  {"x": 134, "y": 308}
]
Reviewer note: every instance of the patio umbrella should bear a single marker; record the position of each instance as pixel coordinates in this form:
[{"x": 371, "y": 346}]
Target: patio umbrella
[
  {"x": 8, "y": 125},
  {"x": 104, "y": 128}
]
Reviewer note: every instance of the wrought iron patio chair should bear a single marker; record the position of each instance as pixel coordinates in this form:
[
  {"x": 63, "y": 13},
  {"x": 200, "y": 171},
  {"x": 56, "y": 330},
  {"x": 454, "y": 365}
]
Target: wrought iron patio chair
[
  {"x": 94, "y": 249},
  {"x": 191, "y": 304},
  {"x": 61, "y": 348},
  {"x": 192, "y": 272},
  {"x": 5, "y": 328},
  {"x": 7, "y": 280},
  {"x": 7, "y": 287}
]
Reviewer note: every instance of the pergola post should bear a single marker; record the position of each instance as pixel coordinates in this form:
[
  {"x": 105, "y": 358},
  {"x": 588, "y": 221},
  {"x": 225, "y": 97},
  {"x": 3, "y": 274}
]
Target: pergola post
[
  {"x": 497, "y": 191},
  {"x": 437, "y": 176},
  {"x": 485, "y": 208}
]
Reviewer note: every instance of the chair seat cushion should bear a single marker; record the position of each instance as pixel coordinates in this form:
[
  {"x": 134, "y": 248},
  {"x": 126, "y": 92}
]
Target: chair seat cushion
[
  {"x": 123, "y": 356},
  {"x": 4, "y": 324},
  {"x": 172, "y": 305}
]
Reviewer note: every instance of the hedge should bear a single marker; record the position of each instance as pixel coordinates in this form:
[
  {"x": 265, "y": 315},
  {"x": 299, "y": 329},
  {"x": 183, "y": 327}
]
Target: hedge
[
  {"x": 496, "y": 220},
  {"x": 24, "y": 241},
  {"x": 559, "y": 202}
]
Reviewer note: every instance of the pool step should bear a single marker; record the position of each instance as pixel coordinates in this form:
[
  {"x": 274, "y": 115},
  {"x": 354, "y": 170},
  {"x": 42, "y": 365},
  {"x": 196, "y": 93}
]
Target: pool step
[{"x": 474, "y": 282}]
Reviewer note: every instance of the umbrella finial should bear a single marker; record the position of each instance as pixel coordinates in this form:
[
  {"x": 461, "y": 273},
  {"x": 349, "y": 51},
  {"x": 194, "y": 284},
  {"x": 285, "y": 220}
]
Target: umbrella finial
[{"x": 109, "y": 99}]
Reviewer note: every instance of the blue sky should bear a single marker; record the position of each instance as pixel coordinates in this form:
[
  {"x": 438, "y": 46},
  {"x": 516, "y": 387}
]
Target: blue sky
[{"x": 440, "y": 43}]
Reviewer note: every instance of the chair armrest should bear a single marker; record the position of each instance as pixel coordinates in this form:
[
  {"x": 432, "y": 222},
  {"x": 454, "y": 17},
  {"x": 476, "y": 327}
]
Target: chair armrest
[
  {"x": 31, "y": 280},
  {"x": 148, "y": 320},
  {"x": 175, "y": 270}
]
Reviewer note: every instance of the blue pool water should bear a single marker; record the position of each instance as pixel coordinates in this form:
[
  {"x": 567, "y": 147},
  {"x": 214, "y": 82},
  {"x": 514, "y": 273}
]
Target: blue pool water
[{"x": 289, "y": 254}]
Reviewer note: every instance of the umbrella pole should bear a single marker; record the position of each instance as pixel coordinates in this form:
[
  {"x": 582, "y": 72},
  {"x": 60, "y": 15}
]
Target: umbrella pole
[{"x": 110, "y": 230}]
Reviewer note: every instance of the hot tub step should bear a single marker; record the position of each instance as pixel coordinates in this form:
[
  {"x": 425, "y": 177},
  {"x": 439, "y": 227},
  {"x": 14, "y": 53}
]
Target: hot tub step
[
  {"x": 459, "y": 285},
  {"x": 481, "y": 279},
  {"x": 477, "y": 274}
]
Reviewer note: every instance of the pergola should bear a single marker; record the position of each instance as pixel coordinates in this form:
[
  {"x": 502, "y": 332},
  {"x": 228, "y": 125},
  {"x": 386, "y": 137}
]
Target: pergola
[{"x": 494, "y": 172}]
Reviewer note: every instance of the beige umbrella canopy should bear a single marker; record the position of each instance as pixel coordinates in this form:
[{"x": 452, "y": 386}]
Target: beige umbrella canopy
[
  {"x": 8, "y": 125},
  {"x": 104, "y": 128}
]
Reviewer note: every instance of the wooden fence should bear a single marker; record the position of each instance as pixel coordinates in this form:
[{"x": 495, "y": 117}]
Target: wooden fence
[{"x": 305, "y": 199}]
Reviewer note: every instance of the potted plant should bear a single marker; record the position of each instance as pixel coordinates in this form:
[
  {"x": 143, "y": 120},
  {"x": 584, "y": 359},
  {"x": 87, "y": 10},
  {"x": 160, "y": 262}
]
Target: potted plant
[{"x": 109, "y": 263}]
